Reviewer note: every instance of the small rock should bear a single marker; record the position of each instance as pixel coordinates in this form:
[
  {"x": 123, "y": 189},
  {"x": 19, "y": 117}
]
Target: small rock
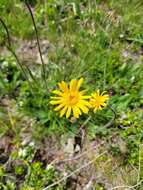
[
  {"x": 77, "y": 148},
  {"x": 69, "y": 147}
]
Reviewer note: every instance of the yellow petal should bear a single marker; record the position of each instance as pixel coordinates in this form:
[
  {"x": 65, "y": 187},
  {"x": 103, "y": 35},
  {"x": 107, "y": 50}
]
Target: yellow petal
[
  {"x": 63, "y": 111},
  {"x": 103, "y": 93},
  {"x": 106, "y": 97},
  {"x": 84, "y": 108},
  {"x": 68, "y": 112},
  {"x": 73, "y": 85},
  {"x": 59, "y": 107},
  {"x": 95, "y": 95},
  {"x": 76, "y": 112},
  {"x": 98, "y": 92},
  {"x": 79, "y": 83},
  {"x": 57, "y": 92},
  {"x": 85, "y": 97},
  {"x": 82, "y": 92},
  {"x": 54, "y": 102},
  {"x": 84, "y": 102},
  {"x": 103, "y": 104},
  {"x": 79, "y": 111},
  {"x": 63, "y": 86},
  {"x": 56, "y": 98}
]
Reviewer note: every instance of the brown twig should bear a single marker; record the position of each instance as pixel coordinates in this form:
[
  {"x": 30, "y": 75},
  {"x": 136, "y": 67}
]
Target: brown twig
[{"x": 129, "y": 187}]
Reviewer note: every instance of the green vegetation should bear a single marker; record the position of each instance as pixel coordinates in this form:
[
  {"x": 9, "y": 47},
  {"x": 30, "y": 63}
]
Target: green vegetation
[{"x": 98, "y": 40}]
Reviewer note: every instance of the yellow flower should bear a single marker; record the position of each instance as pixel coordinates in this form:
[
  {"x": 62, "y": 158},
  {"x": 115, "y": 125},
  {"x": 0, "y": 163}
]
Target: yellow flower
[
  {"x": 98, "y": 100},
  {"x": 69, "y": 99}
]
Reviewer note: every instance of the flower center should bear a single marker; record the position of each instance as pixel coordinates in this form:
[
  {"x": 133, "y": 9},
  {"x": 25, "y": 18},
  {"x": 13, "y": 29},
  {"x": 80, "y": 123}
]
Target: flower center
[
  {"x": 98, "y": 101},
  {"x": 72, "y": 99}
]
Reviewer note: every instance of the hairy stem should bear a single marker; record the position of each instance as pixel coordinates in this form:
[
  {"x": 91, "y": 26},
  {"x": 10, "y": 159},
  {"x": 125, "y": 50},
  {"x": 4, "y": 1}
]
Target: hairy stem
[
  {"x": 113, "y": 119},
  {"x": 38, "y": 43},
  {"x": 9, "y": 47}
]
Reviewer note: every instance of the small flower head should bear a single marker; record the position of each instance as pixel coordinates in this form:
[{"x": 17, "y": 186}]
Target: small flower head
[
  {"x": 98, "y": 101},
  {"x": 70, "y": 100}
]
